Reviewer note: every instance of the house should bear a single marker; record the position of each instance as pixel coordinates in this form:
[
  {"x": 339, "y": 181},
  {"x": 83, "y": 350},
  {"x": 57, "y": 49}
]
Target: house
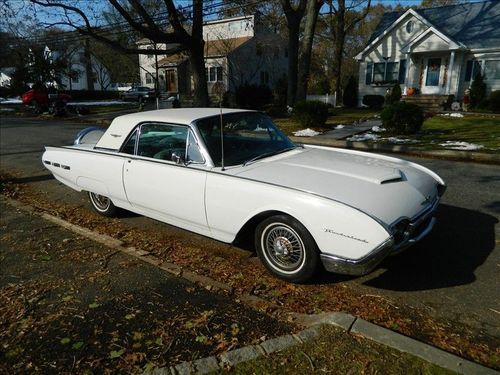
[
  {"x": 435, "y": 52},
  {"x": 238, "y": 50},
  {"x": 6, "y": 76},
  {"x": 83, "y": 70}
]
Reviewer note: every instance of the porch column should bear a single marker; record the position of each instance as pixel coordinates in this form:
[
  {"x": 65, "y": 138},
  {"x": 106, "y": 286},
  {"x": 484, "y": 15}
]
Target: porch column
[
  {"x": 450, "y": 72},
  {"x": 407, "y": 72}
]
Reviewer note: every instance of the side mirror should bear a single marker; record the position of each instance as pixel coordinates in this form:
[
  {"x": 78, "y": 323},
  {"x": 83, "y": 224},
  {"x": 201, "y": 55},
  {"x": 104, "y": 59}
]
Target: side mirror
[{"x": 177, "y": 159}]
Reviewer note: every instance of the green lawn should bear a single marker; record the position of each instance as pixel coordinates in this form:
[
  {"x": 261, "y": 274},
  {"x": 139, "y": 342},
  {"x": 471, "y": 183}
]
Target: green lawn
[
  {"x": 478, "y": 129},
  {"x": 336, "y": 352}
]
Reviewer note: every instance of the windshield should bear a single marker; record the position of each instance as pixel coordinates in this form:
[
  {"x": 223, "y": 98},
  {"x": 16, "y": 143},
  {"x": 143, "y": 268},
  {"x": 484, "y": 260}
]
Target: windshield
[{"x": 247, "y": 137}]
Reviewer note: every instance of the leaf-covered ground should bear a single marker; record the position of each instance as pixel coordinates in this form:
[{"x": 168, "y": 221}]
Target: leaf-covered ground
[
  {"x": 68, "y": 304},
  {"x": 243, "y": 271}
]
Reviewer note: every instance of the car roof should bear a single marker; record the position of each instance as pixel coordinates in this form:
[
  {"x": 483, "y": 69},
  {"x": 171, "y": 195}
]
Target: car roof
[{"x": 121, "y": 126}]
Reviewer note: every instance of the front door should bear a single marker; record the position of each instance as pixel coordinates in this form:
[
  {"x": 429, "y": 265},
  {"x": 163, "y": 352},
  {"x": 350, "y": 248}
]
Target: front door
[
  {"x": 432, "y": 76},
  {"x": 171, "y": 80},
  {"x": 158, "y": 183}
]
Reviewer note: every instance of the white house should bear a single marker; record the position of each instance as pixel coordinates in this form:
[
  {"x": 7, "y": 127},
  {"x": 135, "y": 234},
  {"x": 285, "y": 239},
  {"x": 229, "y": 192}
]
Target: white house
[
  {"x": 238, "y": 50},
  {"x": 6, "y": 76},
  {"x": 434, "y": 51}
]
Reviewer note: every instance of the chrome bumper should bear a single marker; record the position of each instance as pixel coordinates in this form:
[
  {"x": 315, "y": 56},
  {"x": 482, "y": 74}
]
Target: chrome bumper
[{"x": 362, "y": 266}]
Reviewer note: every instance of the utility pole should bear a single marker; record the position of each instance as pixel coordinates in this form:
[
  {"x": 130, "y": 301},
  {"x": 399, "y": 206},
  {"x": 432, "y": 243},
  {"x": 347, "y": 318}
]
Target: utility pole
[{"x": 157, "y": 85}]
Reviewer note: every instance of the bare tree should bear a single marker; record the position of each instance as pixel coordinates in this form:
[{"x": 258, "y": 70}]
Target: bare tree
[
  {"x": 340, "y": 28},
  {"x": 294, "y": 15},
  {"x": 179, "y": 36},
  {"x": 311, "y": 18}
]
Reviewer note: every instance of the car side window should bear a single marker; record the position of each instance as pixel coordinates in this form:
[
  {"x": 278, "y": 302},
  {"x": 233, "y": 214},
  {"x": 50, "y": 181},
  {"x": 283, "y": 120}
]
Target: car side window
[
  {"x": 163, "y": 141},
  {"x": 129, "y": 146}
]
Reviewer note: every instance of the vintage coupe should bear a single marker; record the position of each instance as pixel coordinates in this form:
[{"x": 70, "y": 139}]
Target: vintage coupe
[{"x": 229, "y": 173}]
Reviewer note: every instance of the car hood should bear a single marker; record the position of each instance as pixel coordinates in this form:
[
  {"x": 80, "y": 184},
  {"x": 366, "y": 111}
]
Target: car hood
[{"x": 380, "y": 186}]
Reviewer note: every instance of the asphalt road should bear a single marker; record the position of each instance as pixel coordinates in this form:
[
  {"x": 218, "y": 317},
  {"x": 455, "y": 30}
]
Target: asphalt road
[{"x": 453, "y": 274}]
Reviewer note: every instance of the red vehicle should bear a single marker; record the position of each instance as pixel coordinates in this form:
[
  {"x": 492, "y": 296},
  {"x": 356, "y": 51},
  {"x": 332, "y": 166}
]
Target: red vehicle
[{"x": 41, "y": 97}]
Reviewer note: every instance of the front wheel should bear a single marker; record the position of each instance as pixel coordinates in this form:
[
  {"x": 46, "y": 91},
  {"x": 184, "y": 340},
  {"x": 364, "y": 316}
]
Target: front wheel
[
  {"x": 102, "y": 205},
  {"x": 286, "y": 248}
]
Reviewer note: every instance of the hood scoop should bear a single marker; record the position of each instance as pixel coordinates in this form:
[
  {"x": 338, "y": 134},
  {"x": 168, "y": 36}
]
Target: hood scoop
[{"x": 370, "y": 174}]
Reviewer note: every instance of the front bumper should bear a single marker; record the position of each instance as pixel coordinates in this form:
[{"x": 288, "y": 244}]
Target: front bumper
[{"x": 418, "y": 228}]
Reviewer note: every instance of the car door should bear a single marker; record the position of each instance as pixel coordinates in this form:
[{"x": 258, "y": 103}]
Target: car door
[{"x": 165, "y": 177}]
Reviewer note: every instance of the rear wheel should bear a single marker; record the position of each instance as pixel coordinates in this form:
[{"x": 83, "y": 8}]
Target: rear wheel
[
  {"x": 286, "y": 248},
  {"x": 102, "y": 205}
]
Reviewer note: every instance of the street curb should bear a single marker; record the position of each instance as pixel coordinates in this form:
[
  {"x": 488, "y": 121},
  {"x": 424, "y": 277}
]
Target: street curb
[
  {"x": 344, "y": 321},
  {"x": 467, "y": 156}
]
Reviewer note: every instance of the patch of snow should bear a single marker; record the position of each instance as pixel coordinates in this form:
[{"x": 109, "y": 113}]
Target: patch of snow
[
  {"x": 364, "y": 137},
  {"x": 339, "y": 126},
  {"x": 259, "y": 129},
  {"x": 97, "y": 103},
  {"x": 378, "y": 129},
  {"x": 306, "y": 133},
  {"x": 400, "y": 140},
  {"x": 464, "y": 146},
  {"x": 454, "y": 114},
  {"x": 11, "y": 101}
]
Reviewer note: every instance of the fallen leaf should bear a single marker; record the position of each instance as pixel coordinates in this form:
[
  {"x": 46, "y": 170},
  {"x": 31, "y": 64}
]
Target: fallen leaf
[
  {"x": 116, "y": 353},
  {"x": 65, "y": 340},
  {"x": 77, "y": 345}
]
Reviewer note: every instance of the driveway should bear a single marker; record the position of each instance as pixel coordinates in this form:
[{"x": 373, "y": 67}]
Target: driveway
[{"x": 453, "y": 275}]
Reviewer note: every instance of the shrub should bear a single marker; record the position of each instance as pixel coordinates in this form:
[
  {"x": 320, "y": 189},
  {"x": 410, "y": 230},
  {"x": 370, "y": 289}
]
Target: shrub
[
  {"x": 478, "y": 92},
  {"x": 351, "y": 93},
  {"x": 402, "y": 118},
  {"x": 311, "y": 113},
  {"x": 373, "y": 101},
  {"x": 494, "y": 101},
  {"x": 395, "y": 95},
  {"x": 253, "y": 96}
]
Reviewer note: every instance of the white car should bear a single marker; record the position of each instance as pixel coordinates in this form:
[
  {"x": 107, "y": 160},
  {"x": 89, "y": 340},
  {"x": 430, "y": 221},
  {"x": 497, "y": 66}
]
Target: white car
[{"x": 229, "y": 173}]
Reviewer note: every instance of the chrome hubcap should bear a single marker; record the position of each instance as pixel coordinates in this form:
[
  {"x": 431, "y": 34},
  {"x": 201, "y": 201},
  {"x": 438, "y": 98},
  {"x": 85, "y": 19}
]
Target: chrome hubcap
[
  {"x": 100, "y": 201},
  {"x": 284, "y": 247}
]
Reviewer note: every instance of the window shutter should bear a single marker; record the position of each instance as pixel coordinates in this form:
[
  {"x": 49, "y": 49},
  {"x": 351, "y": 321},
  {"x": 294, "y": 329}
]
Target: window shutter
[
  {"x": 402, "y": 71},
  {"x": 468, "y": 71},
  {"x": 369, "y": 70}
]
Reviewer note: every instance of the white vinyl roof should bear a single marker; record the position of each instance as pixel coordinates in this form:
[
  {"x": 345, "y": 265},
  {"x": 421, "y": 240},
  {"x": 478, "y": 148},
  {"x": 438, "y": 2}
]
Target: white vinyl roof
[{"x": 121, "y": 126}]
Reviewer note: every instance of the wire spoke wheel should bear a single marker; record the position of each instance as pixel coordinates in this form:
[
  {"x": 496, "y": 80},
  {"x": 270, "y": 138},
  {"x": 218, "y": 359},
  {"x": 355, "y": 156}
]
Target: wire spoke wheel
[
  {"x": 102, "y": 204},
  {"x": 283, "y": 247}
]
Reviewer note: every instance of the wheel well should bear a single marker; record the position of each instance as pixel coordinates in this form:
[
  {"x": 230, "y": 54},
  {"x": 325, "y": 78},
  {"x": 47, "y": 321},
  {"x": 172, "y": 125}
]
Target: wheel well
[{"x": 244, "y": 238}]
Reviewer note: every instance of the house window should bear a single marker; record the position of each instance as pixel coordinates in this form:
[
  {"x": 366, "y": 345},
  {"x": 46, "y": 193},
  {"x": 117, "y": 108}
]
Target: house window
[
  {"x": 409, "y": 26},
  {"x": 149, "y": 78},
  {"x": 276, "y": 52},
  {"x": 264, "y": 78},
  {"x": 384, "y": 72},
  {"x": 150, "y": 48},
  {"x": 214, "y": 74},
  {"x": 75, "y": 79},
  {"x": 472, "y": 69},
  {"x": 492, "y": 70}
]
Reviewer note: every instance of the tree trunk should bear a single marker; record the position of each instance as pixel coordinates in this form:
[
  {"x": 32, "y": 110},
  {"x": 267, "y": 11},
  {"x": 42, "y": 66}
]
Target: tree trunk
[
  {"x": 339, "y": 49},
  {"x": 312, "y": 11},
  {"x": 88, "y": 66},
  {"x": 197, "y": 64},
  {"x": 293, "y": 59}
]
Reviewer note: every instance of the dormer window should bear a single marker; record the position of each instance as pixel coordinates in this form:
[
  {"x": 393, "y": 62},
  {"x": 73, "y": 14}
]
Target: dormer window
[{"x": 409, "y": 26}]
